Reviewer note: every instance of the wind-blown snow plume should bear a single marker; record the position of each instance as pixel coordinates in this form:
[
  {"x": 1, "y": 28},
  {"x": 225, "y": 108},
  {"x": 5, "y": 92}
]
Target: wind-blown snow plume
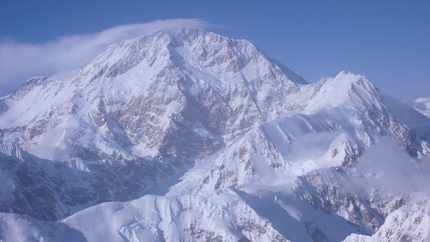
[{"x": 71, "y": 52}]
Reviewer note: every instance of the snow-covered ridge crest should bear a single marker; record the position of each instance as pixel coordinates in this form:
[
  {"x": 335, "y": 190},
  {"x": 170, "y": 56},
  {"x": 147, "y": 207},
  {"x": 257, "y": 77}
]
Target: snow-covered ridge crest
[
  {"x": 346, "y": 88},
  {"x": 181, "y": 48}
]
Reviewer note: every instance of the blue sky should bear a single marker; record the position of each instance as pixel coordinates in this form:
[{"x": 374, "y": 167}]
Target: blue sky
[{"x": 386, "y": 41}]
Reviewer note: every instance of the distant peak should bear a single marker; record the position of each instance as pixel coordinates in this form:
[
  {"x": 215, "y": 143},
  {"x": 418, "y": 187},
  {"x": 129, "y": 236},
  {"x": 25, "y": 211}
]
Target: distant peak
[
  {"x": 348, "y": 76},
  {"x": 422, "y": 100},
  {"x": 347, "y": 73}
]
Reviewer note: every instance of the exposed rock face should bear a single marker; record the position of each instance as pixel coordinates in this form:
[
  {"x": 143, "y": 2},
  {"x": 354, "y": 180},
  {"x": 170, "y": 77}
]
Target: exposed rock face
[
  {"x": 240, "y": 147},
  {"x": 408, "y": 223},
  {"x": 50, "y": 190}
]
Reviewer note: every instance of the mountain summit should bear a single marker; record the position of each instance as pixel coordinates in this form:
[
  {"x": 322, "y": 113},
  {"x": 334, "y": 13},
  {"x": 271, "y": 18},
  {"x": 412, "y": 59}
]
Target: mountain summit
[
  {"x": 141, "y": 89},
  {"x": 189, "y": 135}
]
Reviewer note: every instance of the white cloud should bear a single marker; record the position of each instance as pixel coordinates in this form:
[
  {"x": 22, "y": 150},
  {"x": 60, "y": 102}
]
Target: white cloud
[
  {"x": 388, "y": 166},
  {"x": 20, "y": 61}
]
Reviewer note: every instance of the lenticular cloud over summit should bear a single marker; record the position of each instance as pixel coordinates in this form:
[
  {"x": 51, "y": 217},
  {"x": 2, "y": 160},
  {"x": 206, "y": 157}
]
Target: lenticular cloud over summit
[{"x": 71, "y": 52}]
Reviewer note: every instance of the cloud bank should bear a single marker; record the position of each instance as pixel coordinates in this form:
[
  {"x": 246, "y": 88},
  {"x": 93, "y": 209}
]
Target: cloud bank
[
  {"x": 387, "y": 166},
  {"x": 21, "y": 61}
]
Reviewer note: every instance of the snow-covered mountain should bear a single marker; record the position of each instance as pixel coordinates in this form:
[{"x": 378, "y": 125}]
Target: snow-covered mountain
[
  {"x": 422, "y": 105},
  {"x": 188, "y": 135}
]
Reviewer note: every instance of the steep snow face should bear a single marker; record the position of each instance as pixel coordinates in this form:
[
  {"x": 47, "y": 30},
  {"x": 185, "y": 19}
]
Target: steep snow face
[{"x": 346, "y": 89}]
